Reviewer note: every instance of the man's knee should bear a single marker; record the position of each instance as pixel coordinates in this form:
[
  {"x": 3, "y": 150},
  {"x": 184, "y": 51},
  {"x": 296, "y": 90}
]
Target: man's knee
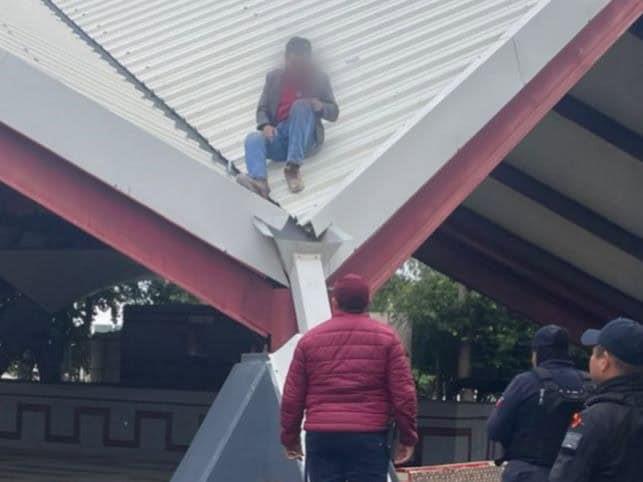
[{"x": 254, "y": 139}]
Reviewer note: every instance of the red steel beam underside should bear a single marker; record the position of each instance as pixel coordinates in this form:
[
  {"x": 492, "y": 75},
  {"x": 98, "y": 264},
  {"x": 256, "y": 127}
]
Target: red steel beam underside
[
  {"x": 407, "y": 230},
  {"x": 145, "y": 237}
]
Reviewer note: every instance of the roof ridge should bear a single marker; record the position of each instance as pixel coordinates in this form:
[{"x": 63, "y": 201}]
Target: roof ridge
[{"x": 158, "y": 101}]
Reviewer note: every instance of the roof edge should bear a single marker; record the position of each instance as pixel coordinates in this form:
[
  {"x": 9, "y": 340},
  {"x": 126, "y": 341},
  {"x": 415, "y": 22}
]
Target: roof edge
[{"x": 400, "y": 235}]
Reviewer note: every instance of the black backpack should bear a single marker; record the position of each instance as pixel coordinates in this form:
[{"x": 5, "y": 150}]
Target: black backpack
[
  {"x": 539, "y": 438},
  {"x": 559, "y": 397}
]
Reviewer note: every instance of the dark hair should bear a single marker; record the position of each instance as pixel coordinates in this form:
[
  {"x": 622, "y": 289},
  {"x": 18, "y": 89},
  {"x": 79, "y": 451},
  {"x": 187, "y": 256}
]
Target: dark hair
[
  {"x": 624, "y": 368},
  {"x": 299, "y": 46},
  {"x": 552, "y": 352}
]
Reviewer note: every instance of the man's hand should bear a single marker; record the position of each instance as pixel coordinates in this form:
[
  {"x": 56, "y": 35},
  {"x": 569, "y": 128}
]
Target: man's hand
[
  {"x": 295, "y": 453},
  {"x": 269, "y": 132},
  {"x": 317, "y": 105},
  {"x": 403, "y": 454}
]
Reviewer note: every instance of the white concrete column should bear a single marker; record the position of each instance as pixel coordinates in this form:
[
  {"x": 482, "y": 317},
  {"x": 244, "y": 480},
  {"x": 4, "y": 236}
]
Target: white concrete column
[
  {"x": 309, "y": 291},
  {"x": 312, "y": 306}
]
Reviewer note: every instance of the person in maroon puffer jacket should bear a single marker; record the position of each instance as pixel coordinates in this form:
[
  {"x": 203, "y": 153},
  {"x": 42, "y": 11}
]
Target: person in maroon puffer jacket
[{"x": 351, "y": 378}]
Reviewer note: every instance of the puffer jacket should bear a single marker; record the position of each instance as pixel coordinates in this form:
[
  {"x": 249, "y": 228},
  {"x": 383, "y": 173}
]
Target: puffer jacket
[{"x": 349, "y": 374}]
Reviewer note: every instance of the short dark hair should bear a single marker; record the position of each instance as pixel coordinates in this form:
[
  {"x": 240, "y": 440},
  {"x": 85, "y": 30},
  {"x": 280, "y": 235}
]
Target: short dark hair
[
  {"x": 552, "y": 352},
  {"x": 299, "y": 46},
  {"x": 625, "y": 368}
]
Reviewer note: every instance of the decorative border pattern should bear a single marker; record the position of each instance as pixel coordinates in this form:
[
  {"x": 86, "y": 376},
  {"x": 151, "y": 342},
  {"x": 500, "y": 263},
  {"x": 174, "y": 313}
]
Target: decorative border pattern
[{"x": 105, "y": 413}]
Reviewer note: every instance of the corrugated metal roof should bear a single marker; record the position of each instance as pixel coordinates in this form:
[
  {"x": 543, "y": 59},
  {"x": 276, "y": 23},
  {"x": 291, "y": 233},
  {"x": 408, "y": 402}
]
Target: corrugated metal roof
[
  {"x": 387, "y": 58},
  {"x": 32, "y": 31}
]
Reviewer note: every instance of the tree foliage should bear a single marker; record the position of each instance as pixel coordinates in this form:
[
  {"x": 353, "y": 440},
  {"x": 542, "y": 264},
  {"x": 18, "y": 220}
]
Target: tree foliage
[{"x": 444, "y": 315}]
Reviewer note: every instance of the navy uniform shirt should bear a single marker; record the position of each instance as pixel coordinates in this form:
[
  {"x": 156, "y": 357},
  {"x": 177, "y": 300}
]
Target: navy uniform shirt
[
  {"x": 605, "y": 442},
  {"x": 511, "y": 410}
]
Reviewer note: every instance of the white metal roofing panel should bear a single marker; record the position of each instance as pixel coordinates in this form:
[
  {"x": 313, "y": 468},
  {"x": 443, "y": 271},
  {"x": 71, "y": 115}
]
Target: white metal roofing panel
[
  {"x": 31, "y": 30},
  {"x": 387, "y": 58}
]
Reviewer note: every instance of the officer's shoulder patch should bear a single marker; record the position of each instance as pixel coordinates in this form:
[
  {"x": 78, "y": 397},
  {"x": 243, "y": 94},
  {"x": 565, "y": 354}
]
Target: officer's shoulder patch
[
  {"x": 577, "y": 420},
  {"x": 572, "y": 440}
]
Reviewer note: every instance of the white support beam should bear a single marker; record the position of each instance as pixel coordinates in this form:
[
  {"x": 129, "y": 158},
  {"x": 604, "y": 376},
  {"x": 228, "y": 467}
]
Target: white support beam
[
  {"x": 309, "y": 291},
  {"x": 312, "y": 306}
]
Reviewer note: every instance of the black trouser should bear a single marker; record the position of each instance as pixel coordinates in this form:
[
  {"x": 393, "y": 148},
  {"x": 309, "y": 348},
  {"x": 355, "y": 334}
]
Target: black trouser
[
  {"x": 519, "y": 471},
  {"x": 347, "y": 456}
]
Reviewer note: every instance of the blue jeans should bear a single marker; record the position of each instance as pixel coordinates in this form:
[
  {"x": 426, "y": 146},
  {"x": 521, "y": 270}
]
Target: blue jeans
[
  {"x": 294, "y": 139},
  {"x": 347, "y": 457}
]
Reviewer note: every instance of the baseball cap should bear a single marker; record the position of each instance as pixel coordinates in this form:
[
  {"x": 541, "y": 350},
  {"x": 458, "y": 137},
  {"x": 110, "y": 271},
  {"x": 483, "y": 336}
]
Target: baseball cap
[
  {"x": 551, "y": 335},
  {"x": 352, "y": 293},
  {"x": 622, "y": 337}
]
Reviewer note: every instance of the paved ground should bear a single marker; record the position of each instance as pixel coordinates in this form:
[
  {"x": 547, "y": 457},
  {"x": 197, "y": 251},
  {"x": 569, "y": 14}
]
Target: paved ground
[{"x": 47, "y": 467}]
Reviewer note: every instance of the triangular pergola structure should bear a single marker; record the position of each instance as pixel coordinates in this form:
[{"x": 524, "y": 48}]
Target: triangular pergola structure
[{"x": 127, "y": 120}]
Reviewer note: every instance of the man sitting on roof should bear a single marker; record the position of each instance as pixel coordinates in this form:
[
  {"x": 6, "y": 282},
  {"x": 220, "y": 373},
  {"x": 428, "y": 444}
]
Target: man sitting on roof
[{"x": 293, "y": 103}]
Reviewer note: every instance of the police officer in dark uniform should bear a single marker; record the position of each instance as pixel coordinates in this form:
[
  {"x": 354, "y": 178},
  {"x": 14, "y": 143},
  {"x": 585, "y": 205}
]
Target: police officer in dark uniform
[
  {"x": 605, "y": 441},
  {"x": 531, "y": 418}
]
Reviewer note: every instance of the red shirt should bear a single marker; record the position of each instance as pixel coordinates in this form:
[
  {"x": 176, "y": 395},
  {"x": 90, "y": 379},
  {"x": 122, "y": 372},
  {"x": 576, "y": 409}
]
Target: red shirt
[{"x": 289, "y": 94}]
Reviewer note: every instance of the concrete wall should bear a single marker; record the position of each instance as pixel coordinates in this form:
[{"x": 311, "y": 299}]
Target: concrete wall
[
  {"x": 453, "y": 432},
  {"x": 85, "y": 419},
  {"x": 159, "y": 424}
]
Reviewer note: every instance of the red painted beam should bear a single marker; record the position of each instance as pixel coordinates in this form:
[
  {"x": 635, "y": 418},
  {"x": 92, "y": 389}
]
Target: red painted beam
[
  {"x": 144, "y": 236},
  {"x": 400, "y": 237}
]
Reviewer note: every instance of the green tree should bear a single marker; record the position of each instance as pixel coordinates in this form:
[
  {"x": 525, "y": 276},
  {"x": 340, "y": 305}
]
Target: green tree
[{"x": 445, "y": 318}]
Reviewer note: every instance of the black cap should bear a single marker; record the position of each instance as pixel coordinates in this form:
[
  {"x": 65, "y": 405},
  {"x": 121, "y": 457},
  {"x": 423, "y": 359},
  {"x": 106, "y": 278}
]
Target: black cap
[
  {"x": 622, "y": 337},
  {"x": 551, "y": 335}
]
